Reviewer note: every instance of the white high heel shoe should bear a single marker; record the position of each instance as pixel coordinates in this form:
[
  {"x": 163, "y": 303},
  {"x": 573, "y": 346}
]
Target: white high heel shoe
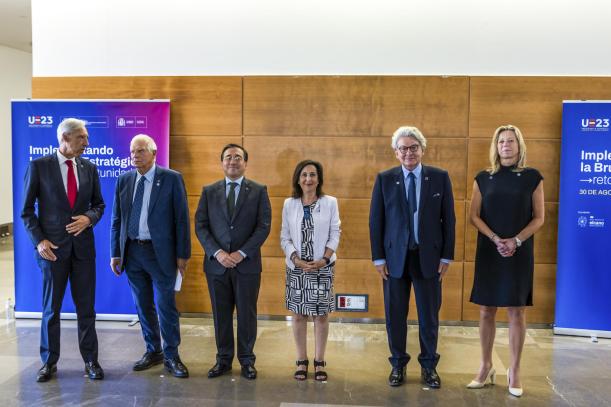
[
  {"x": 514, "y": 391},
  {"x": 491, "y": 376}
]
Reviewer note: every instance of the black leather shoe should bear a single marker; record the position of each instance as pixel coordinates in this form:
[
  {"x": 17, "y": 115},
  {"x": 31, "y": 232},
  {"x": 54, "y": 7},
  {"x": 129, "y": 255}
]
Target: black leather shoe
[
  {"x": 249, "y": 372},
  {"x": 397, "y": 375},
  {"x": 148, "y": 360},
  {"x": 94, "y": 370},
  {"x": 176, "y": 367},
  {"x": 218, "y": 370},
  {"x": 45, "y": 373},
  {"x": 431, "y": 378}
]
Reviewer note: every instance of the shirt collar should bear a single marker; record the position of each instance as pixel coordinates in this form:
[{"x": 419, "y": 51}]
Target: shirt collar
[
  {"x": 149, "y": 175},
  {"x": 417, "y": 171},
  {"x": 62, "y": 159},
  {"x": 238, "y": 181}
]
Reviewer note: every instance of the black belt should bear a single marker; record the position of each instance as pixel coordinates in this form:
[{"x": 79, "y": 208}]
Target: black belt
[{"x": 141, "y": 242}]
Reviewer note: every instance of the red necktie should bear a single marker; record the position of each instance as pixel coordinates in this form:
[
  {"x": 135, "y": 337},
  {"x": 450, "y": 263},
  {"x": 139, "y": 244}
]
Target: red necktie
[{"x": 71, "y": 184}]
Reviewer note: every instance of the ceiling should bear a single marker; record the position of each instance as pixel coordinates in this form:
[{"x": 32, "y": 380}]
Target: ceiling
[{"x": 16, "y": 24}]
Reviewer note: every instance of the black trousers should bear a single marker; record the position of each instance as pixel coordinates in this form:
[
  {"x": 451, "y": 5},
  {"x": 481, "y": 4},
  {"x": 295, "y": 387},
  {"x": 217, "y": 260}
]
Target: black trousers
[
  {"x": 240, "y": 291},
  {"x": 55, "y": 276},
  {"x": 396, "y": 306}
]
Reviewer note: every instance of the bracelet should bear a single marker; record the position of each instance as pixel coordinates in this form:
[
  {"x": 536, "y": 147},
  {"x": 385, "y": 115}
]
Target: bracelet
[
  {"x": 327, "y": 260},
  {"x": 493, "y": 236}
]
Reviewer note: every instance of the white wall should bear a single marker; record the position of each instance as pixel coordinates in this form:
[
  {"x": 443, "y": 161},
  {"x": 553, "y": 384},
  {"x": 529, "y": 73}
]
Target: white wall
[
  {"x": 15, "y": 83},
  {"x": 285, "y": 37}
]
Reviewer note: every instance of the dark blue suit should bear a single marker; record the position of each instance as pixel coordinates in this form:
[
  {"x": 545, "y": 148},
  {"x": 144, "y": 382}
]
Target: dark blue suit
[
  {"x": 389, "y": 235},
  {"x": 153, "y": 264},
  {"x": 75, "y": 254}
]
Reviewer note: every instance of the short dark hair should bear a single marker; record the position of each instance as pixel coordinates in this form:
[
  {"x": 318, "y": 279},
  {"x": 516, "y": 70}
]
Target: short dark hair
[
  {"x": 232, "y": 145},
  {"x": 297, "y": 191}
]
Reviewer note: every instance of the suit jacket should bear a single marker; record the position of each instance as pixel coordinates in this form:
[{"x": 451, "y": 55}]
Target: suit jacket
[
  {"x": 326, "y": 227},
  {"x": 44, "y": 186},
  {"x": 246, "y": 231},
  {"x": 168, "y": 217},
  {"x": 388, "y": 220}
]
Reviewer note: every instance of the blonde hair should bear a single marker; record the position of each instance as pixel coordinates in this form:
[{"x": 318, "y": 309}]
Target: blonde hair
[{"x": 495, "y": 159}]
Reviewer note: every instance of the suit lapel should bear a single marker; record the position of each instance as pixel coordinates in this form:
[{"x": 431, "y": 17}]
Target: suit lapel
[
  {"x": 155, "y": 189},
  {"x": 400, "y": 182},
  {"x": 222, "y": 199},
  {"x": 128, "y": 196},
  {"x": 57, "y": 178},
  {"x": 244, "y": 190},
  {"x": 83, "y": 180},
  {"x": 425, "y": 186}
]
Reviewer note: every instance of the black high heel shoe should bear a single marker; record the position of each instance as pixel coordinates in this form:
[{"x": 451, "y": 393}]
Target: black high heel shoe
[
  {"x": 320, "y": 375},
  {"x": 302, "y": 374}
]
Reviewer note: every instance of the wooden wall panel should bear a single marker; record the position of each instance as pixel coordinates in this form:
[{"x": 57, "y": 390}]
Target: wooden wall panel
[
  {"x": 200, "y": 106},
  {"x": 534, "y": 104},
  {"x": 350, "y": 164},
  {"x": 346, "y": 123},
  {"x": 355, "y": 105},
  {"x": 199, "y": 159},
  {"x": 544, "y": 296}
]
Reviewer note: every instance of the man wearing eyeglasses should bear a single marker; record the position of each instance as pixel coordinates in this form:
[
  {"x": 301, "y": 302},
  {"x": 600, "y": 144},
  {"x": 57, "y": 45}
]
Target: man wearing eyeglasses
[
  {"x": 232, "y": 221},
  {"x": 411, "y": 225}
]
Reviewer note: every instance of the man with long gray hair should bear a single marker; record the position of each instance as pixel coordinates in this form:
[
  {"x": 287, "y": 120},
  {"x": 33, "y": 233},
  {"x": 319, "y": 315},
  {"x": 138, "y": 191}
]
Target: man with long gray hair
[{"x": 67, "y": 191}]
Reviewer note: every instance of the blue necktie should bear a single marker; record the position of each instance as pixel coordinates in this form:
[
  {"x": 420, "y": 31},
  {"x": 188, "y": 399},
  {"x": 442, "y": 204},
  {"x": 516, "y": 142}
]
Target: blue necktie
[
  {"x": 133, "y": 225},
  {"x": 412, "y": 207}
]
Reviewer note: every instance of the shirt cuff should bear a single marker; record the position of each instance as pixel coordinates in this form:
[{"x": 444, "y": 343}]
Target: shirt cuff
[
  {"x": 216, "y": 252},
  {"x": 379, "y": 262},
  {"x": 446, "y": 261},
  {"x": 243, "y": 254}
]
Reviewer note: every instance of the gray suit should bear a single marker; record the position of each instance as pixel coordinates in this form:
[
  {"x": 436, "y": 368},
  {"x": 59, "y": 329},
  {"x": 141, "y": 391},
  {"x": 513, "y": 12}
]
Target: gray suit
[{"x": 237, "y": 287}]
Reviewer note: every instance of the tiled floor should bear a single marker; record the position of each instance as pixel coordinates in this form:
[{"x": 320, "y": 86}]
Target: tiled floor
[{"x": 557, "y": 371}]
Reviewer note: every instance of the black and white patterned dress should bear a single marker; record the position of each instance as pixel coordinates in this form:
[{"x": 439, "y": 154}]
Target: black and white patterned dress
[{"x": 309, "y": 293}]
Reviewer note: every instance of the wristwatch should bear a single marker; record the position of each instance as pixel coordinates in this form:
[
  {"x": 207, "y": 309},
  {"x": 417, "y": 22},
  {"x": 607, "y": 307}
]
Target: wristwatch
[{"x": 518, "y": 241}]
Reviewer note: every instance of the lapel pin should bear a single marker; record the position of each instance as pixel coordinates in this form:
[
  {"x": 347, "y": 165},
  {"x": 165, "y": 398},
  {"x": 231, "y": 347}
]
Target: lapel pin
[
  {"x": 158, "y": 183},
  {"x": 519, "y": 174},
  {"x": 426, "y": 178},
  {"x": 397, "y": 182}
]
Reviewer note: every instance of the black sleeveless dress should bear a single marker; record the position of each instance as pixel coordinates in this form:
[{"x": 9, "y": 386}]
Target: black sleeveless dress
[{"x": 506, "y": 208}]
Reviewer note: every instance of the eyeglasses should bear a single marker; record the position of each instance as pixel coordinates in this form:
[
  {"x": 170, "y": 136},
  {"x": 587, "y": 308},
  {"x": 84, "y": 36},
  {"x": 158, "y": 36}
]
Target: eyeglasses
[
  {"x": 235, "y": 158},
  {"x": 404, "y": 149}
]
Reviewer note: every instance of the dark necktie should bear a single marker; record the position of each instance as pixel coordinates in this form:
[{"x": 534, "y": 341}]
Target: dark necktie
[
  {"x": 231, "y": 199},
  {"x": 412, "y": 207},
  {"x": 133, "y": 225},
  {"x": 71, "y": 187}
]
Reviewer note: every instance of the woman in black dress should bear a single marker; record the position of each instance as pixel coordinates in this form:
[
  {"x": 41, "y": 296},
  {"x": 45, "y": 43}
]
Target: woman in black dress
[{"x": 507, "y": 208}]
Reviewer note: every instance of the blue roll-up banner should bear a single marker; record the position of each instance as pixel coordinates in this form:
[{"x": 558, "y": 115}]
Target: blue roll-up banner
[
  {"x": 111, "y": 125},
  {"x": 583, "y": 278}
]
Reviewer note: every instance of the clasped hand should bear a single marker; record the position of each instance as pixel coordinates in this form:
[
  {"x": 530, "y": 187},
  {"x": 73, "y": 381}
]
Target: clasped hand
[
  {"x": 506, "y": 247},
  {"x": 310, "y": 265},
  {"x": 229, "y": 260}
]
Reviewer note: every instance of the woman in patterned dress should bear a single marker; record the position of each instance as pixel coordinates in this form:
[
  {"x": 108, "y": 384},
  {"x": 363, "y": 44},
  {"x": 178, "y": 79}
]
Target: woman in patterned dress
[
  {"x": 309, "y": 237},
  {"x": 507, "y": 208}
]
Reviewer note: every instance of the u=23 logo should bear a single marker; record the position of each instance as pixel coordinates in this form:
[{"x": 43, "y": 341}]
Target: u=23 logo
[{"x": 599, "y": 123}]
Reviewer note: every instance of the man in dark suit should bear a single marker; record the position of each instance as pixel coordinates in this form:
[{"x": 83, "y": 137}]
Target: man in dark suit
[
  {"x": 67, "y": 191},
  {"x": 411, "y": 227},
  {"x": 150, "y": 240},
  {"x": 232, "y": 221}
]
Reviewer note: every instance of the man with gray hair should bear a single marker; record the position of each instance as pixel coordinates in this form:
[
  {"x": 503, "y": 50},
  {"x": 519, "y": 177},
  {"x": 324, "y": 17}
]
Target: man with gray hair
[
  {"x": 67, "y": 191},
  {"x": 411, "y": 225},
  {"x": 150, "y": 240}
]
